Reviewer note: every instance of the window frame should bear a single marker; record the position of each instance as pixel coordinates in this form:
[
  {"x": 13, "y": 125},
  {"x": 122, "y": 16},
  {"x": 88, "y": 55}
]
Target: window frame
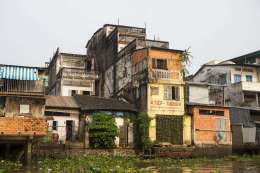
[
  {"x": 235, "y": 78},
  {"x": 250, "y": 76}
]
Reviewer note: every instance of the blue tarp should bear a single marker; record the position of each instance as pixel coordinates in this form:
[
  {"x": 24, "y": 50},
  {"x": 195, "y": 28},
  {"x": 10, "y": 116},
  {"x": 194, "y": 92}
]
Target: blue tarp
[{"x": 18, "y": 73}]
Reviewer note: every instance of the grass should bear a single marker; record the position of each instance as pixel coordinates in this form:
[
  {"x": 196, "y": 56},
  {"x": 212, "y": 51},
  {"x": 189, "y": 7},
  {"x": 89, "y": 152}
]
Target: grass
[{"x": 9, "y": 166}]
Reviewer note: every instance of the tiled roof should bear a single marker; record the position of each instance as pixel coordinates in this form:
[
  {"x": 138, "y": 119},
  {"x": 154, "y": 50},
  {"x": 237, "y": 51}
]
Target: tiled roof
[
  {"x": 91, "y": 103},
  {"x": 88, "y": 103}
]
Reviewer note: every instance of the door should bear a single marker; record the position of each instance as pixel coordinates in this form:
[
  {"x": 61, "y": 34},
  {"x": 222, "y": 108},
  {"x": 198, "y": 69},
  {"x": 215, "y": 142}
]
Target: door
[
  {"x": 169, "y": 128},
  {"x": 69, "y": 130}
]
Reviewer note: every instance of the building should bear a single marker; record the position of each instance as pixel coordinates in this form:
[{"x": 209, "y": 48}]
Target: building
[
  {"x": 210, "y": 125},
  {"x": 22, "y": 105},
  {"x": 68, "y": 117},
  {"x": 104, "y": 46},
  {"x": 71, "y": 74},
  {"x": 234, "y": 83},
  {"x": 143, "y": 72}
]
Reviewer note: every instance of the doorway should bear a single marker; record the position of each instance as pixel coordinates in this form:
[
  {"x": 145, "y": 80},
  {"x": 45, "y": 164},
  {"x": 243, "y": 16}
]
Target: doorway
[{"x": 69, "y": 130}]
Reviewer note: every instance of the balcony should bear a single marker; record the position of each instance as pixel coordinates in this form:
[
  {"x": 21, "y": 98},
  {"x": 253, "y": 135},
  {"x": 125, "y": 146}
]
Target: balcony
[
  {"x": 251, "y": 86},
  {"x": 77, "y": 74},
  {"x": 19, "y": 126},
  {"x": 158, "y": 74},
  {"x": 21, "y": 87}
]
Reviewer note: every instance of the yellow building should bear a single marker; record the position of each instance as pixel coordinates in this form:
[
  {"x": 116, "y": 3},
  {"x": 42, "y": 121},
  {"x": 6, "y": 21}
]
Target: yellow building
[{"x": 159, "y": 91}]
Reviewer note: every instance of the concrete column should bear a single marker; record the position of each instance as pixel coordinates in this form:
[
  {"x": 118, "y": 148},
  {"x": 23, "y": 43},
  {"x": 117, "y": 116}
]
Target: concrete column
[
  {"x": 86, "y": 140},
  {"x": 256, "y": 96}
]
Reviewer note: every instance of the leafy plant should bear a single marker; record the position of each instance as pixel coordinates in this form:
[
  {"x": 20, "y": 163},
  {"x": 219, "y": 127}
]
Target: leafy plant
[
  {"x": 143, "y": 123},
  {"x": 102, "y": 131},
  {"x": 186, "y": 60}
]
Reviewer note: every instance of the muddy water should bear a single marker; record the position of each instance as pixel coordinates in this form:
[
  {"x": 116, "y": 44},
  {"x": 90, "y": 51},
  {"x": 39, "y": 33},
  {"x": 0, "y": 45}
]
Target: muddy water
[{"x": 226, "y": 167}]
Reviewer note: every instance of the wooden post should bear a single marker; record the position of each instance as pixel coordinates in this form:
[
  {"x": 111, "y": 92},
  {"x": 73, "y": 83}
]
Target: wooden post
[
  {"x": 7, "y": 151},
  {"x": 28, "y": 151}
]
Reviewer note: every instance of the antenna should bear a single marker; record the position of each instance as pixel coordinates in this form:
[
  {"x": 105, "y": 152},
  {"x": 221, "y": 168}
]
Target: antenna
[{"x": 118, "y": 21}]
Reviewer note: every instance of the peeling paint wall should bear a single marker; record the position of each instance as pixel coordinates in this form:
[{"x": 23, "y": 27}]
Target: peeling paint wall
[{"x": 12, "y": 106}]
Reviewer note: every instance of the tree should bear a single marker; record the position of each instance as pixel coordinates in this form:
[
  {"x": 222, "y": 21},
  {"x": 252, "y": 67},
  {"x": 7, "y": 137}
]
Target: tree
[
  {"x": 186, "y": 60},
  {"x": 102, "y": 131}
]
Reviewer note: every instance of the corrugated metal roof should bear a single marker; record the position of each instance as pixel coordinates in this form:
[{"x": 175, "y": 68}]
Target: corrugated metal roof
[{"x": 18, "y": 73}]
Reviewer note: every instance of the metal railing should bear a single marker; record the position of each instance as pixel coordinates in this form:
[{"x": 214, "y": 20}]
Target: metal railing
[
  {"x": 21, "y": 126},
  {"x": 24, "y": 87}
]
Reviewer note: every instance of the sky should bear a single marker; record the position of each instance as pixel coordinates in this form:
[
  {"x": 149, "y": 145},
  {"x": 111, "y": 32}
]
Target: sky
[{"x": 31, "y": 30}]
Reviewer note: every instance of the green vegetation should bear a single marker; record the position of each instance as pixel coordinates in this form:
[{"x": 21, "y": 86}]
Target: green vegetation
[
  {"x": 143, "y": 123},
  {"x": 118, "y": 164},
  {"x": 102, "y": 131},
  {"x": 186, "y": 60},
  {"x": 9, "y": 166}
]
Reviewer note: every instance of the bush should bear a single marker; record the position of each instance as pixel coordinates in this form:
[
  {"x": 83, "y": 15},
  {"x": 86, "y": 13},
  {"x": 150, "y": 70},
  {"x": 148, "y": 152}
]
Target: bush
[{"x": 102, "y": 131}]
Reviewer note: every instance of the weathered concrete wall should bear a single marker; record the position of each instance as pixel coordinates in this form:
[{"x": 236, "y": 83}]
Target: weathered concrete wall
[
  {"x": 36, "y": 106},
  {"x": 187, "y": 130},
  {"x": 61, "y": 128},
  {"x": 108, "y": 86},
  {"x": 66, "y": 90},
  {"x": 199, "y": 94}
]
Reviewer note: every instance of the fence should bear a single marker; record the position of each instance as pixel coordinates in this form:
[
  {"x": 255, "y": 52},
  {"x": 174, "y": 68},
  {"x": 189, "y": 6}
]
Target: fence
[{"x": 19, "y": 126}]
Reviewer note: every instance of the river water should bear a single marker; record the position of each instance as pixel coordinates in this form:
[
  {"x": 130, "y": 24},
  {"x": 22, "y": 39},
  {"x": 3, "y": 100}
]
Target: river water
[{"x": 226, "y": 167}]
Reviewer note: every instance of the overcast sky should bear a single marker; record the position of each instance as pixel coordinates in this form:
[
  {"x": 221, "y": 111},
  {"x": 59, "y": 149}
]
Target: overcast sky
[{"x": 31, "y": 30}]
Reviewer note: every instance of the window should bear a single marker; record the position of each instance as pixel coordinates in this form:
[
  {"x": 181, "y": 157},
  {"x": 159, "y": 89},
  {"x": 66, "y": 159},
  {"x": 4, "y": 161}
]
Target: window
[
  {"x": 159, "y": 64},
  {"x": 154, "y": 91},
  {"x": 249, "y": 78},
  {"x": 86, "y": 93},
  {"x": 171, "y": 93},
  {"x": 137, "y": 93},
  {"x": 237, "y": 78},
  {"x": 73, "y": 92},
  {"x": 211, "y": 112},
  {"x": 54, "y": 125},
  {"x": 24, "y": 109},
  {"x": 88, "y": 65}
]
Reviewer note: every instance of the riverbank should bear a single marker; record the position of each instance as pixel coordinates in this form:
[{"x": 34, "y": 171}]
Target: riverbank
[{"x": 118, "y": 164}]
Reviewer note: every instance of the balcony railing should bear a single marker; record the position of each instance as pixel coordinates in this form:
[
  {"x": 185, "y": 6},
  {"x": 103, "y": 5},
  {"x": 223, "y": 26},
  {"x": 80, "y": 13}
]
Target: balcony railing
[
  {"x": 158, "y": 74},
  {"x": 21, "y": 87},
  {"x": 19, "y": 126},
  {"x": 247, "y": 86},
  {"x": 77, "y": 74}
]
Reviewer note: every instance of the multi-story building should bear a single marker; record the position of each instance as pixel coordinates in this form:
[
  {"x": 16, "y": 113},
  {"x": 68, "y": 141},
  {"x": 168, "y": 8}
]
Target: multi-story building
[
  {"x": 143, "y": 72},
  {"x": 234, "y": 83},
  {"x": 71, "y": 74},
  {"x": 104, "y": 46}
]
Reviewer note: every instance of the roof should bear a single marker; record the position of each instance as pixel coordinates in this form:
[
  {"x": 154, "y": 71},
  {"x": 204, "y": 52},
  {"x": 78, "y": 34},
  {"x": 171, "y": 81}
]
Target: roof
[
  {"x": 206, "y": 105},
  {"x": 88, "y": 103},
  {"x": 249, "y": 55},
  {"x": 61, "y": 102},
  {"x": 219, "y": 65},
  {"x": 18, "y": 72},
  {"x": 91, "y": 103}
]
